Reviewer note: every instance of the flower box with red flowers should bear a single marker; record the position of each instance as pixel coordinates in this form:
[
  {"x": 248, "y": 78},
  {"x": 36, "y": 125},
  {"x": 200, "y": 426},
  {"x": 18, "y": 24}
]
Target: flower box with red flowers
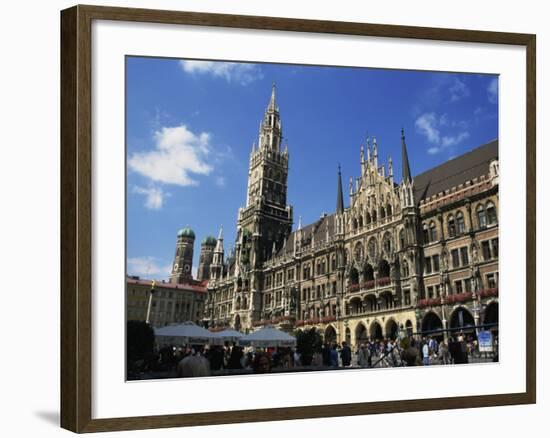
[
  {"x": 368, "y": 284},
  {"x": 429, "y": 302},
  {"x": 328, "y": 318},
  {"x": 384, "y": 281},
  {"x": 493, "y": 292},
  {"x": 353, "y": 287},
  {"x": 459, "y": 298},
  {"x": 312, "y": 321}
]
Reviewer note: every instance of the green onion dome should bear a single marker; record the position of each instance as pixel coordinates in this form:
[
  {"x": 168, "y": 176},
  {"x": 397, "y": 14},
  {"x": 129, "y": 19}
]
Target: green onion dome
[
  {"x": 209, "y": 240},
  {"x": 186, "y": 232}
]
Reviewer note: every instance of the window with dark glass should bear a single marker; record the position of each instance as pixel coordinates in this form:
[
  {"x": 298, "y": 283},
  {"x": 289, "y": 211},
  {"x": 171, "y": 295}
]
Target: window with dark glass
[
  {"x": 481, "y": 217},
  {"x": 430, "y": 292},
  {"x": 451, "y": 227},
  {"x": 435, "y": 263},
  {"x": 455, "y": 258},
  {"x": 486, "y": 250},
  {"x": 494, "y": 244},
  {"x": 425, "y": 234},
  {"x": 458, "y": 286},
  {"x": 464, "y": 255},
  {"x": 491, "y": 282},
  {"x": 491, "y": 213},
  {"x": 407, "y": 294},
  {"x": 460, "y": 227},
  {"x": 428, "y": 265}
]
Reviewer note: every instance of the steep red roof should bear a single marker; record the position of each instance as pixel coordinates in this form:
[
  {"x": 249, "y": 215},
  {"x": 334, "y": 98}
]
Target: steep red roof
[{"x": 192, "y": 287}]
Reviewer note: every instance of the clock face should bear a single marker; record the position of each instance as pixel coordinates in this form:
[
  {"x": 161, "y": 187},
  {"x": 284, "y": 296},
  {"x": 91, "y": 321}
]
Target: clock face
[{"x": 175, "y": 267}]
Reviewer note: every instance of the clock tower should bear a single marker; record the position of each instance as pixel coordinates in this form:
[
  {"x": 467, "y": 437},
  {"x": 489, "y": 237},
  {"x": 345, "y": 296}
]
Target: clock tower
[{"x": 265, "y": 222}]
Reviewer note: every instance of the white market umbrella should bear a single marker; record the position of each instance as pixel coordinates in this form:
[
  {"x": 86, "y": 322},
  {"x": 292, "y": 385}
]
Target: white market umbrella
[
  {"x": 229, "y": 335},
  {"x": 185, "y": 333},
  {"x": 268, "y": 337}
]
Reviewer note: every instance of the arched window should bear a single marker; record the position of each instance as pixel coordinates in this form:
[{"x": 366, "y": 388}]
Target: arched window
[
  {"x": 481, "y": 216},
  {"x": 374, "y": 215},
  {"x": 433, "y": 232},
  {"x": 383, "y": 269},
  {"x": 491, "y": 213},
  {"x": 369, "y": 272},
  {"x": 388, "y": 210},
  {"x": 405, "y": 268},
  {"x": 402, "y": 239},
  {"x": 382, "y": 213},
  {"x": 451, "y": 226},
  {"x": 368, "y": 218},
  {"x": 425, "y": 233},
  {"x": 460, "y": 227},
  {"x": 386, "y": 243},
  {"x": 360, "y": 221},
  {"x": 354, "y": 223}
]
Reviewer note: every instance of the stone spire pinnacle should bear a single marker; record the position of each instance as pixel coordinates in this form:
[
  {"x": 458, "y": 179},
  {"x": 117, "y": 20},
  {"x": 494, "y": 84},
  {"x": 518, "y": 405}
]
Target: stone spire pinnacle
[
  {"x": 272, "y": 104},
  {"x": 340, "y": 196},
  {"x": 405, "y": 158},
  {"x": 219, "y": 242},
  {"x": 368, "y": 151}
]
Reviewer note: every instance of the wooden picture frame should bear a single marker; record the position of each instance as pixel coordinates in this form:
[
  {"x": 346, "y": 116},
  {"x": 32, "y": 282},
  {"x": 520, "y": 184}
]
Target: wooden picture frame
[{"x": 76, "y": 217}]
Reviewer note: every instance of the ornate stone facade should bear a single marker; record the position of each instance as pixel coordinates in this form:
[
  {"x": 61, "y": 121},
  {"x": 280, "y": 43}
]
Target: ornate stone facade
[{"x": 420, "y": 255}]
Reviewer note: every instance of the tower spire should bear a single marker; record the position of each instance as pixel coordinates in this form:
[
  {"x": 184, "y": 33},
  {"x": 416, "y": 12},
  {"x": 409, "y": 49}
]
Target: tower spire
[
  {"x": 340, "y": 196},
  {"x": 219, "y": 242},
  {"x": 405, "y": 158},
  {"x": 272, "y": 105}
]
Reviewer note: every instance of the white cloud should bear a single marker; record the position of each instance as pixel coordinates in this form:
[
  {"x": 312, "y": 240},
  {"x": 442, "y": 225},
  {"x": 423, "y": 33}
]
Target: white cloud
[
  {"x": 147, "y": 267},
  {"x": 458, "y": 90},
  {"x": 492, "y": 90},
  {"x": 427, "y": 124},
  {"x": 238, "y": 72},
  {"x": 453, "y": 140},
  {"x": 178, "y": 154},
  {"x": 154, "y": 196},
  {"x": 430, "y": 126},
  {"x": 220, "y": 181}
]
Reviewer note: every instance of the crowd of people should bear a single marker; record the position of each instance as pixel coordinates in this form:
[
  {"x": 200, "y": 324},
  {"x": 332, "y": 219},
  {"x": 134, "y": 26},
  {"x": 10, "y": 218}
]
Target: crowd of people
[{"x": 199, "y": 361}]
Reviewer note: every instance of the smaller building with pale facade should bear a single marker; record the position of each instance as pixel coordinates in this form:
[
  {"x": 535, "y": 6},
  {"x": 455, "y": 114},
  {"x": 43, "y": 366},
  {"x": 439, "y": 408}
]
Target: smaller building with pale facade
[{"x": 161, "y": 303}]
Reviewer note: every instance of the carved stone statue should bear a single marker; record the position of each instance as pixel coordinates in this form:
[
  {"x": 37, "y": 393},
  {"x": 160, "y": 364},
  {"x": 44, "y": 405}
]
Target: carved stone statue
[{"x": 475, "y": 255}]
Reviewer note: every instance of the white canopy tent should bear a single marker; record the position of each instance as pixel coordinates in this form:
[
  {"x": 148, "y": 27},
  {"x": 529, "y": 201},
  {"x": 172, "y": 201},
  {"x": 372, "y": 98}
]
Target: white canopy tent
[
  {"x": 268, "y": 337},
  {"x": 184, "y": 333},
  {"x": 229, "y": 335}
]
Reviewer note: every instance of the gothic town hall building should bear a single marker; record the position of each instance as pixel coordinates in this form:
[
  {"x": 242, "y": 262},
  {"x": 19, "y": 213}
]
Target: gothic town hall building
[{"x": 418, "y": 255}]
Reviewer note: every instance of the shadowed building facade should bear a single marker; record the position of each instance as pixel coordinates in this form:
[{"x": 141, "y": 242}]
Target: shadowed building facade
[{"x": 418, "y": 255}]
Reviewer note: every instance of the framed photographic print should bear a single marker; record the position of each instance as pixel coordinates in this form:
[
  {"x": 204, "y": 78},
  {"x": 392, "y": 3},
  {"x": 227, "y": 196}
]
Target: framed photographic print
[{"x": 331, "y": 218}]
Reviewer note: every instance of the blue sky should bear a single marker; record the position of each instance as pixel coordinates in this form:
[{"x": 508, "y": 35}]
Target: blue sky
[{"x": 191, "y": 125}]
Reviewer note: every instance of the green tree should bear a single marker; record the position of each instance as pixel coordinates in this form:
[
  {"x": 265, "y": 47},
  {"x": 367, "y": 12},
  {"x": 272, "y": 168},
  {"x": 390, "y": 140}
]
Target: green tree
[
  {"x": 307, "y": 343},
  {"x": 140, "y": 339}
]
